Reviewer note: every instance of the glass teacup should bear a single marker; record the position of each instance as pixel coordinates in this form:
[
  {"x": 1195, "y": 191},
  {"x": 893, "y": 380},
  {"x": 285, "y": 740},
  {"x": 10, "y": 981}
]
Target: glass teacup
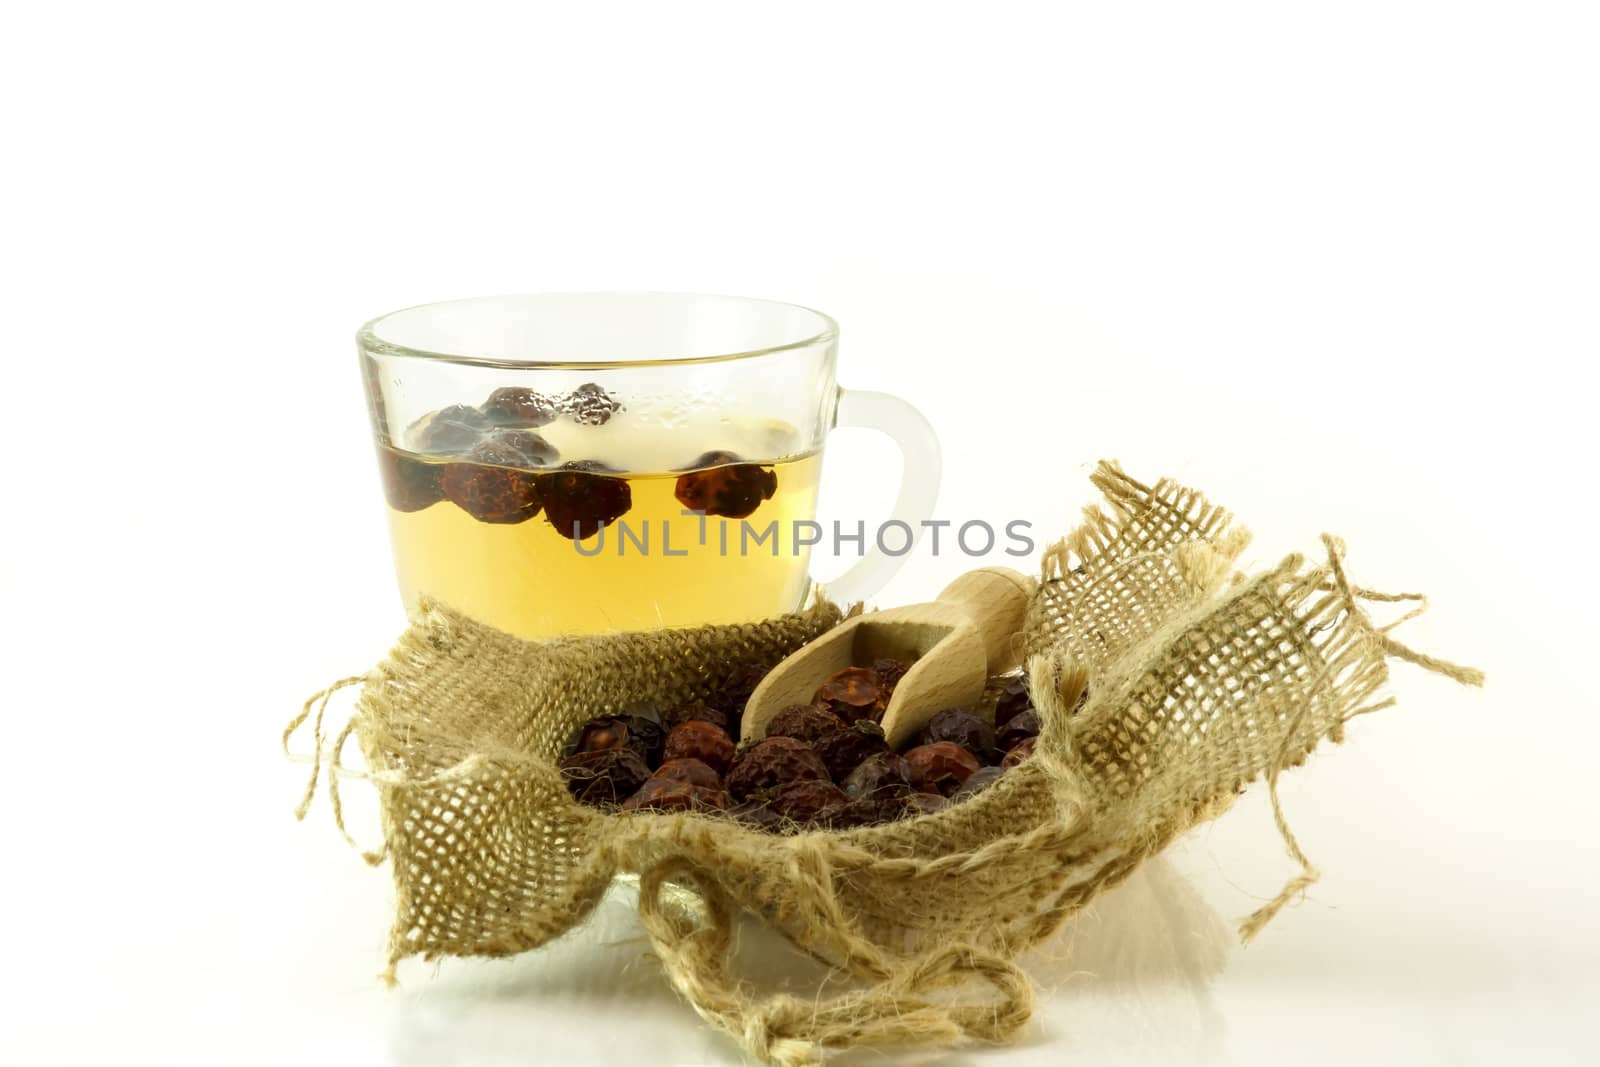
[{"x": 588, "y": 462}]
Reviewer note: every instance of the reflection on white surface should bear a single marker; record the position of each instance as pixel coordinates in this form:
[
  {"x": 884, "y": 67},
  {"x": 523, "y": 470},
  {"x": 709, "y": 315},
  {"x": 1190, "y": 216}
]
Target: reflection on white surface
[{"x": 1126, "y": 982}]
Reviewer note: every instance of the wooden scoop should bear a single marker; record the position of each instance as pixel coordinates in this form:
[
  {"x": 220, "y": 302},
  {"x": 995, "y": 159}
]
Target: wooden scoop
[{"x": 953, "y": 644}]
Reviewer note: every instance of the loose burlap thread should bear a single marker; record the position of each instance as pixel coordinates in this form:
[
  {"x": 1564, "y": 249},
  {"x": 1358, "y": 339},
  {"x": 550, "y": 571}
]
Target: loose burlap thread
[{"x": 1199, "y": 681}]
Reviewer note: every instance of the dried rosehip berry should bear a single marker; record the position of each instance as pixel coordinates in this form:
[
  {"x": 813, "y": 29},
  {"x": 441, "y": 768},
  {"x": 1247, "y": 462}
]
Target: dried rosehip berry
[
  {"x": 977, "y": 782},
  {"x": 773, "y": 762},
  {"x": 804, "y": 722},
  {"x": 701, "y": 741},
  {"x": 941, "y": 767},
  {"x": 645, "y": 735},
  {"x": 965, "y": 728},
  {"x": 517, "y": 405},
  {"x": 591, "y": 405},
  {"x": 758, "y": 813},
  {"x": 670, "y": 794},
  {"x": 598, "y": 735},
  {"x": 853, "y": 693},
  {"x": 925, "y": 803},
  {"x": 577, "y": 503},
  {"x": 870, "y": 810},
  {"x": 679, "y": 714},
  {"x": 806, "y": 801},
  {"x": 734, "y": 691},
  {"x": 529, "y": 449},
  {"x": 1019, "y": 752},
  {"x": 720, "y": 485},
  {"x": 884, "y": 772},
  {"x": 890, "y": 671},
  {"x": 409, "y": 484},
  {"x": 1022, "y": 725},
  {"x": 692, "y": 771},
  {"x": 1014, "y": 698},
  {"x": 605, "y": 776},
  {"x": 843, "y": 750},
  {"x": 590, "y": 466},
  {"x": 449, "y": 431},
  {"x": 490, "y": 488}
]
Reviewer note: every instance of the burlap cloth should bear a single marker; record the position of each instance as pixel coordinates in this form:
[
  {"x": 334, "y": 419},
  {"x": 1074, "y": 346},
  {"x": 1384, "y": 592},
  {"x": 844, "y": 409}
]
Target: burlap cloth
[{"x": 1200, "y": 681}]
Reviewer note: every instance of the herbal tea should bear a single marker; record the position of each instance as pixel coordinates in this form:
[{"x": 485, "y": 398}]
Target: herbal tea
[{"x": 544, "y": 517}]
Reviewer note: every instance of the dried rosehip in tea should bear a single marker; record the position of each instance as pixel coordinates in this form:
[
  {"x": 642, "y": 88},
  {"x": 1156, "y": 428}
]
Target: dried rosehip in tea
[
  {"x": 890, "y": 671},
  {"x": 449, "y": 431},
  {"x": 489, "y": 488},
  {"x": 604, "y": 777},
  {"x": 1022, "y": 725},
  {"x": 773, "y": 762},
  {"x": 806, "y": 801},
  {"x": 577, "y": 503},
  {"x": 679, "y": 714},
  {"x": 853, "y": 693},
  {"x": 519, "y": 406},
  {"x": 590, "y": 466},
  {"x": 880, "y": 773},
  {"x": 1014, "y": 698},
  {"x": 591, "y": 405},
  {"x": 804, "y": 722},
  {"x": 965, "y": 728},
  {"x": 1019, "y": 752},
  {"x": 670, "y": 794},
  {"x": 517, "y": 448},
  {"x": 941, "y": 767},
  {"x": 700, "y": 741},
  {"x": 843, "y": 750},
  {"x": 692, "y": 771},
  {"x": 720, "y": 485},
  {"x": 410, "y": 484},
  {"x": 977, "y": 782}
]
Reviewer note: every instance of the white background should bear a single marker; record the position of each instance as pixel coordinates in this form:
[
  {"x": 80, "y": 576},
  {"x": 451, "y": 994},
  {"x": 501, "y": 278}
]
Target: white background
[{"x": 1336, "y": 264}]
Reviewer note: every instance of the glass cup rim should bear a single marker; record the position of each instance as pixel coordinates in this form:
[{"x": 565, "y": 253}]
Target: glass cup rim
[{"x": 370, "y": 342}]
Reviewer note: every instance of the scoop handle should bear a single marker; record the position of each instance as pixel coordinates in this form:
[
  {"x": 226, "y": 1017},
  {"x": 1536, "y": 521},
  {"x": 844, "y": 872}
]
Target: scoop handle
[{"x": 995, "y": 600}]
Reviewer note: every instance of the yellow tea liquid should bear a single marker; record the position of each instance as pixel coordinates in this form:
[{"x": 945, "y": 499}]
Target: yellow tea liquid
[{"x": 653, "y": 566}]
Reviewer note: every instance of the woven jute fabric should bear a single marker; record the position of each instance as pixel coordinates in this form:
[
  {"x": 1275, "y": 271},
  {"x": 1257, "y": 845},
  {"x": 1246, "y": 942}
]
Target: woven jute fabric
[{"x": 1166, "y": 682}]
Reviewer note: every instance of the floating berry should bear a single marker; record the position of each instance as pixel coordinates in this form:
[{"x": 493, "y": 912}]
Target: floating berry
[
  {"x": 591, "y": 405},
  {"x": 941, "y": 767},
  {"x": 490, "y": 487},
  {"x": 720, "y": 485},
  {"x": 519, "y": 406},
  {"x": 409, "y": 484},
  {"x": 853, "y": 693},
  {"x": 526, "y": 447},
  {"x": 702, "y": 741},
  {"x": 771, "y": 763},
  {"x": 577, "y": 504},
  {"x": 449, "y": 431}
]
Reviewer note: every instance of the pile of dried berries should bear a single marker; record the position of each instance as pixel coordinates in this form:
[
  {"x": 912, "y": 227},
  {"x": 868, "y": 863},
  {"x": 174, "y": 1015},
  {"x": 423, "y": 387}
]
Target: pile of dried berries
[
  {"x": 488, "y": 462},
  {"x": 821, "y": 765}
]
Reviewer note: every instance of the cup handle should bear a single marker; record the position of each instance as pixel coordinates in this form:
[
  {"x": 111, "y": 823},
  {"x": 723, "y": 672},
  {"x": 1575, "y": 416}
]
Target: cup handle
[{"x": 919, "y": 484}]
